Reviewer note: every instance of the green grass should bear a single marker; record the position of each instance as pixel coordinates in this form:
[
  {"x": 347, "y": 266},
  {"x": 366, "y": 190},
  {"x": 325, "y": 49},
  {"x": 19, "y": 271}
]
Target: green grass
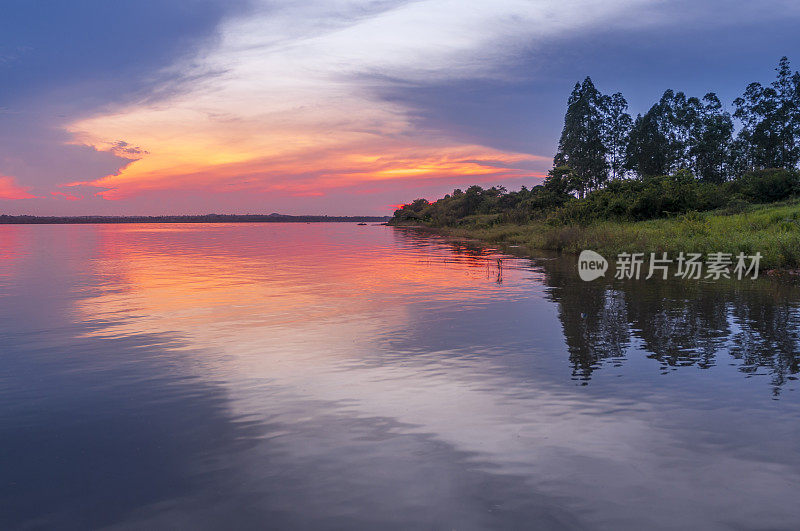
[{"x": 773, "y": 230}]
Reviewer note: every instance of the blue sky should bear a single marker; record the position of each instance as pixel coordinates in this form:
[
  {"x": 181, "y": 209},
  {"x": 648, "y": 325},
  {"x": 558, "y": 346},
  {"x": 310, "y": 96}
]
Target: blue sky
[{"x": 338, "y": 107}]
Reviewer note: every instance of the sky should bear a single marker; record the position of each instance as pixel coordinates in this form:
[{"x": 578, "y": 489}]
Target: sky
[{"x": 339, "y": 107}]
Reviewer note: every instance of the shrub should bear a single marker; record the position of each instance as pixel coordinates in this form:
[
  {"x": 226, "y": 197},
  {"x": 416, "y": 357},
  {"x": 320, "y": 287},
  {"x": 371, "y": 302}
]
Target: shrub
[{"x": 766, "y": 186}]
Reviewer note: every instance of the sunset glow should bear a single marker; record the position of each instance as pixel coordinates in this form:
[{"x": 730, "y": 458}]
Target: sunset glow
[{"x": 336, "y": 107}]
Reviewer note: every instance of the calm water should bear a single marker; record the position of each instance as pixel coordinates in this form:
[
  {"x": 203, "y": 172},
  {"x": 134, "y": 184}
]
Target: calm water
[{"x": 338, "y": 376}]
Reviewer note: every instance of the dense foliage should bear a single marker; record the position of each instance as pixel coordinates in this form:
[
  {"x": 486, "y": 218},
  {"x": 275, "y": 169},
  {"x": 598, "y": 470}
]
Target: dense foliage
[
  {"x": 619, "y": 199},
  {"x": 682, "y": 155}
]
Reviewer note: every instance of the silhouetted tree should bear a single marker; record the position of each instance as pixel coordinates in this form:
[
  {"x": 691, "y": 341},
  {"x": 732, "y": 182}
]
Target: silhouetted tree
[
  {"x": 679, "y": 117},
  {"x": 661, "y": 141},
  {"x": 770, "y": 118},
  {"x": 618, "y": 125},
  {"x": 711, "y": 142},
  {"x": 581, "y": 147},
  {"x": 648, "y": 150}
]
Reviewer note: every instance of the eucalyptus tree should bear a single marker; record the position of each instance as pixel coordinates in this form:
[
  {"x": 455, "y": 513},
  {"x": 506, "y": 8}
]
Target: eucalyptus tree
[
  {"x": 770, "y": 117},
  {"x": 678, "y": 117},
  {"x": 582, "y": 148},
  {"x": 681, "y": 133},
  {"x": 648, "y": 151},
  {"x": 618, "y": 124},
  {"x": 711, "y": 140}
]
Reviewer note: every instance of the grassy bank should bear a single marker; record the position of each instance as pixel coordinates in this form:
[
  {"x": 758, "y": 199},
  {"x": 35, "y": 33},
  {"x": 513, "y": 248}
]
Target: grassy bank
[{"x": 773, "y": 230}]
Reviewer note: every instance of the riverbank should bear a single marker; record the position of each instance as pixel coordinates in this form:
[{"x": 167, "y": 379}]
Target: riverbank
[{"x": 772, "y": 229}]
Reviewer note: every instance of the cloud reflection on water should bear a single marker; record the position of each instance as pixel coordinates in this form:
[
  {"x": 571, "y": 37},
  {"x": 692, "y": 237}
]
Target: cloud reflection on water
[{"x": 324, "y": 375}]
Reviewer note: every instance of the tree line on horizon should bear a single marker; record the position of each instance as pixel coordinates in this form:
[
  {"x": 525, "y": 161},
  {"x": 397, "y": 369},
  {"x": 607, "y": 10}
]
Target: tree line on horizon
[
  {"x": 6, "y": 219},
  {"x": 684, "y": 153}
]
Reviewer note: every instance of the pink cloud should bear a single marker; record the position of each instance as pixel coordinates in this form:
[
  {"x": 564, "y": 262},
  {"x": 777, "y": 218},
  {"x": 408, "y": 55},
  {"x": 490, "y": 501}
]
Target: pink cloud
[
  {"x": 68, "y": 197},
  {"x": 9, "y": 189}
]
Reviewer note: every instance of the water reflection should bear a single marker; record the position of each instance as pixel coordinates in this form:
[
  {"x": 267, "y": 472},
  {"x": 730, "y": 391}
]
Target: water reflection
[
  {"x": 678, "y": 324},
  {"x": 335, "y": 376}
]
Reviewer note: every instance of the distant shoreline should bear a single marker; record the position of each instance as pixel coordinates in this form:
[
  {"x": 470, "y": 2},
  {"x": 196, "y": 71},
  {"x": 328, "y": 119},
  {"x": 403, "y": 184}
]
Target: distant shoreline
[{"x": 207, "y": 218}]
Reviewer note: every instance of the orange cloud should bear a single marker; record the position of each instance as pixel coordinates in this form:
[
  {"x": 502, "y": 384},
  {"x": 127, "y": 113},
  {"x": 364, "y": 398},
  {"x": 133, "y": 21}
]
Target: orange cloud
[
  {"x": 316, "y": 171},
  {"x": 9, "y": 189},
  {"x": 293, "y": 137}
]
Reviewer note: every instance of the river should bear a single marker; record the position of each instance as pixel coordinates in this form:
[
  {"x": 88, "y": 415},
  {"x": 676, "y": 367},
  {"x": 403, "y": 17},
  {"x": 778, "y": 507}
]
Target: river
[{"x": 336, "y": 376}]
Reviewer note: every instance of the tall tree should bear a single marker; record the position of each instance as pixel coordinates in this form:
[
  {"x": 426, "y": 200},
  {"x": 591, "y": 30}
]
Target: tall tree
[
  {"x": 770, "y": 119},
  {"x": 581, "y": 147},
  {"x": 618, "y": 125},
  {"x": 648, "y": 151},
  {"x": 711, "y": 140},
  {"x": 678, "y": 117},
  {"x": 675, "y": 134}
]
